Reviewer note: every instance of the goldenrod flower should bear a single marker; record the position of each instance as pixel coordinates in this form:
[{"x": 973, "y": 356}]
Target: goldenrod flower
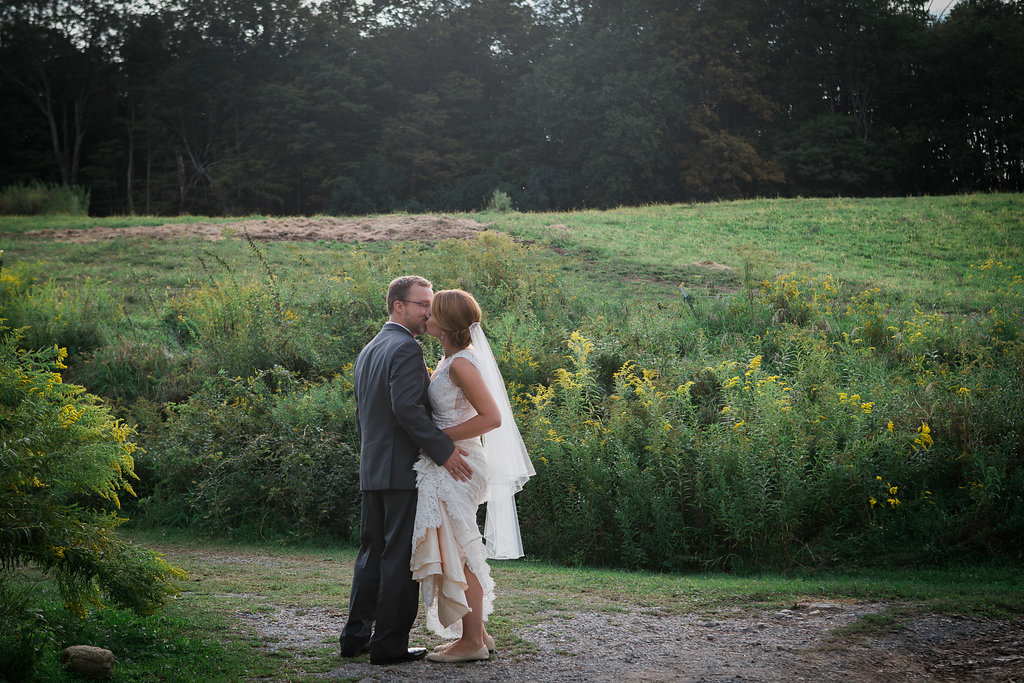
[{"x": 924, "y": 437}]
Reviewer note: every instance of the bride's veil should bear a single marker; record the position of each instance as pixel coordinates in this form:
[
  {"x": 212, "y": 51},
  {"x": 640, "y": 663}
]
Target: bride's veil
[{"x": 508, "y": 462}]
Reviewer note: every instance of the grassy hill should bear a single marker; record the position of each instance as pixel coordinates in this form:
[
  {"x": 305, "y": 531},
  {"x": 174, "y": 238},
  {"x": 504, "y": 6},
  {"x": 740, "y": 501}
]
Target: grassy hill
[{"x": 838, "y": 349}]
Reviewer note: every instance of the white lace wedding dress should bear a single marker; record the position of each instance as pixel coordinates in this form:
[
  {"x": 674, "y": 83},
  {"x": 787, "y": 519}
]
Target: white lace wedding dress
[{"x": 446, "y": 537}]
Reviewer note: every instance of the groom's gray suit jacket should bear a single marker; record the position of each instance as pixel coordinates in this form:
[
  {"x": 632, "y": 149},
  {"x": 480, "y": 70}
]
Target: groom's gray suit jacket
[{"x": 393, "y": 411}]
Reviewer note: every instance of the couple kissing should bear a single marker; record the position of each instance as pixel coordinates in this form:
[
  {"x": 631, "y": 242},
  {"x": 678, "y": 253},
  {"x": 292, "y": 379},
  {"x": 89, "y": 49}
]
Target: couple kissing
[{"x": 433, "y": 447}]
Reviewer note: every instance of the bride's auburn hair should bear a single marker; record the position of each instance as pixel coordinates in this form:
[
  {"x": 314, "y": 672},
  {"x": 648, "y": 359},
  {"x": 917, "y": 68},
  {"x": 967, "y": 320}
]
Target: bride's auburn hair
[{"x": 455, "y": 310}]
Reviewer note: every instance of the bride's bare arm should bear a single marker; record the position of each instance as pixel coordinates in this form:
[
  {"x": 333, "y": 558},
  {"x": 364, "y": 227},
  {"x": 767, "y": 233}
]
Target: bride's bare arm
[{"x": 464, "y": 375}]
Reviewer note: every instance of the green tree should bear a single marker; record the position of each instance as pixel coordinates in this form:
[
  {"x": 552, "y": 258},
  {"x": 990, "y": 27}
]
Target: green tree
[
  {"x": 65, "y": 462},
  {"x": 646, "y": 101},
  {"x": 448, "y": 72},
  {"x": 966, "y": 117},
  {"x": 841, "y": 72},
  {"x": 826, "y": 156},
  {"x": 597, "y": 114},
  {"x": 721, "y": 57},
  {"x": 52, "y": 53}
]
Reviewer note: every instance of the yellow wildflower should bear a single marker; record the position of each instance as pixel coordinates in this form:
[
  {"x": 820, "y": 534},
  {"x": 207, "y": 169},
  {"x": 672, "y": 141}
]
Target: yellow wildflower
[{"x": 924, "y": 436}]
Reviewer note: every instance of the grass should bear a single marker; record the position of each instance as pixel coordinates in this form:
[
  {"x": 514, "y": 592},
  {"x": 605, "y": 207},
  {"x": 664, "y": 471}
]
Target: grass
[
  {"x": 205, "y": 635},
  {"x": 918, "y": 250},
  {"x": 183, "y": 642},
  {"x": 918, "y": 246},
  {"x": 13, "y": 225},
  {"x": 991, "y": 591}
]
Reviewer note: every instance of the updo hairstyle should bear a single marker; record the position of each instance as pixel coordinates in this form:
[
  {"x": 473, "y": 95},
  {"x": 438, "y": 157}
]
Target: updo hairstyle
[{"x": 454, "y": 311}]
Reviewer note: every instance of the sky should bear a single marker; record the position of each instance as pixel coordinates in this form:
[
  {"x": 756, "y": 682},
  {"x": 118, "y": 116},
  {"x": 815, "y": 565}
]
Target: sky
[{"x": 940, "y": 8}]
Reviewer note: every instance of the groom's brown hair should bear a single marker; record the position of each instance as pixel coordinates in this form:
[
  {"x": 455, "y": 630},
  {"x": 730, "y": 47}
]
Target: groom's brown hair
[{"x": 399, "y": 288}]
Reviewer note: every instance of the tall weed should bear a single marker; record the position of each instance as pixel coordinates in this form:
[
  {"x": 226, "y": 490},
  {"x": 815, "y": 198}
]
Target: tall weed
[
  {"x": 265, "y": 455},
  {"x": 837, "y": 431},
  {"x": 797, "y": 421},
  {"x": 77, "y": 317},
  {"x": 37, "y": 198}
]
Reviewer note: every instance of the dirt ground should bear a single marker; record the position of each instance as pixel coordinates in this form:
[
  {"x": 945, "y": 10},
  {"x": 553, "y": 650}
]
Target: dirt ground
[
  {"x": 789, "y": 645},
  {"x": 797, "y": 643},
  {"x": 405, "y": 228}
]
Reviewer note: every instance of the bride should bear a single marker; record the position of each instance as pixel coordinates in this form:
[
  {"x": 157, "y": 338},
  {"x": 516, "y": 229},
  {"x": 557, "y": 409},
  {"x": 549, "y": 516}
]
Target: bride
[{"x": 449, "y": 557}]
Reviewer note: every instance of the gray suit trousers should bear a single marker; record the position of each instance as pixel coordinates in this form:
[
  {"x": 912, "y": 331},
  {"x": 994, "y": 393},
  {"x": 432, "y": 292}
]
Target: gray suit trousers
[{"x": 382, "y": 585}]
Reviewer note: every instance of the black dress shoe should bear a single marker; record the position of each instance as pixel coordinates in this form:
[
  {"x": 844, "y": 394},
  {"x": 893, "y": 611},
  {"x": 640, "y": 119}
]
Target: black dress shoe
[
  {"x": 411, "y": 655},
  {"x": 349, "y": 649}
]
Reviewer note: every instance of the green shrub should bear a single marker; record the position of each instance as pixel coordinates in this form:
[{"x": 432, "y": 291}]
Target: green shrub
[
  {"x": 76, "y": 317},
  {"x": 244, "y": 323},
  {"x": 500, "y": 201},
  {"x": 130, "y": 367},
  {"x": 37, "y": 198},
  {"x": 25, "y": 634},
  {"x": 258, "y": 456},
  {"x": 65, "y": 463},
  {"x": 771, "y": 429},
  {"x": 835, "y": 432}
]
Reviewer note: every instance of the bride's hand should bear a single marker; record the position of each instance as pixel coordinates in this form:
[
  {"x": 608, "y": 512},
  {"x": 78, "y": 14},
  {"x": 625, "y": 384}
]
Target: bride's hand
[{"x": 457, "y": 465}]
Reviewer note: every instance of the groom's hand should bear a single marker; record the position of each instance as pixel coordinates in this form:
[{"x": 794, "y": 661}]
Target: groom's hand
[{"x": 457, "y": 465}]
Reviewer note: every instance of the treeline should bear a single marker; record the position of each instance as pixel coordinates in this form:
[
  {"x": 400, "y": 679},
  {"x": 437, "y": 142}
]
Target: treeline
[{"x": 347, "y": 107}]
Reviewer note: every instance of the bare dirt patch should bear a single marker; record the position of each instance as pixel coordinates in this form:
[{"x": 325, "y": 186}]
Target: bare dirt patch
[
  {"x": 378, "y": 229},
  {"x": 711, "y": 265}
]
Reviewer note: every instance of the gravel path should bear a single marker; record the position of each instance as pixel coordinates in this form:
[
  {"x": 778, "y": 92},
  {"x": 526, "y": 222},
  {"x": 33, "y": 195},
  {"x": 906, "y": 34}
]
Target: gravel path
[
  {"x": 626, "y": 642},
  {"x": 788, "y": 645}
]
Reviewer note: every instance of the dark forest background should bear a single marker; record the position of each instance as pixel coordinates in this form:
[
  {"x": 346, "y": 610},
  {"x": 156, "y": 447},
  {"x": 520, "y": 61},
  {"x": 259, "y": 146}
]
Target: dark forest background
[{"x": 288, "y": 107}]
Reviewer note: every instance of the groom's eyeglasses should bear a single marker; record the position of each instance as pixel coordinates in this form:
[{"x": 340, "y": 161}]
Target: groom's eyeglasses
[{"x": 424, "y": 304}]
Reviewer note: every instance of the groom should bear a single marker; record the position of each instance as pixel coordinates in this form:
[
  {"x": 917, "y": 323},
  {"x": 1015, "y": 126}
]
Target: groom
[{"x": 394, "y": 424}]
